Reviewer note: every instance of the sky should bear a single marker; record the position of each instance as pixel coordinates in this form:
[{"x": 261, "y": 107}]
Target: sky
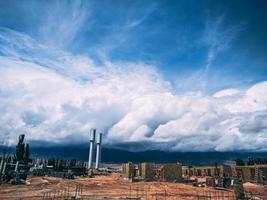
[{"x": 171, "y": 75}]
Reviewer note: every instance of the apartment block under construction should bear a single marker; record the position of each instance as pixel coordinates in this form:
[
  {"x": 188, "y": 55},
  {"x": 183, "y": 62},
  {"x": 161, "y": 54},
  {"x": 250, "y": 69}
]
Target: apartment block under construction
[
  {"x": 175, "y": 172},
  {"x": 152, "y": 172},
  {"x": 248, "y": 173}
]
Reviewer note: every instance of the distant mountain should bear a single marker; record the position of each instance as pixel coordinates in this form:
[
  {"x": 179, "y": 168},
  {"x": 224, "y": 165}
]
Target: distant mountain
[
  {"x": 118, "y": 156},
  {"x": 111, "y": 155}
]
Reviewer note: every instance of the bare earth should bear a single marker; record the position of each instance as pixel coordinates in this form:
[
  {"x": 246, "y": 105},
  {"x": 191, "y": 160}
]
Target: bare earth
[
  {"x": 257, "y": 190},
  {"x": 112, "y": 186}
]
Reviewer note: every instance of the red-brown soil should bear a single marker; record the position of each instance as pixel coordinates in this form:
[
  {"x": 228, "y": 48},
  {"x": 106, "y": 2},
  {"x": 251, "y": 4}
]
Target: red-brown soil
[
  {"x": 112, "y": 186},
  {"x": 259, "y": 191}
]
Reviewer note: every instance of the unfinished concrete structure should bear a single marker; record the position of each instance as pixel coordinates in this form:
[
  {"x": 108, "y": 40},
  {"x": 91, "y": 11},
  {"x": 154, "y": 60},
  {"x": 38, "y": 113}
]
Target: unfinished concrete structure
[
  {"x": 174, "y": 172},
  {"x": 128, "y": 170},
  {"x": 169, "y": 172},
  {"x": 200, "y": 171},
  {"x": 152, "y": 172},
  {"x": 248, "y": 173},
  {"x": 147, "y": 171},
  {"x": 251, "y": 173}
]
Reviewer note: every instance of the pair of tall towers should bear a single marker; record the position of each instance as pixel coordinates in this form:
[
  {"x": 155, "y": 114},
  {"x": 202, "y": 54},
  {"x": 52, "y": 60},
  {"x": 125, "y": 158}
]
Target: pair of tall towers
[{"x": 95, "y": 138}]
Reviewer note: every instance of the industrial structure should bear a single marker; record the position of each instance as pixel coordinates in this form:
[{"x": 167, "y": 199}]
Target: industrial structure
[
  {"x": 92, "y": 140},
  {"x": 95, "y": 138},
  {"x": 98, "y": 143},
  {"x": 14, "y": 169}
]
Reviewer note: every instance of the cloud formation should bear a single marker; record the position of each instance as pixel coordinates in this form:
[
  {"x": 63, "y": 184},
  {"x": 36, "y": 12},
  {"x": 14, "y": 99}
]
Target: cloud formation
[
  {"x": 54, "y": 96},
  {"x": 217, "y": 36}
]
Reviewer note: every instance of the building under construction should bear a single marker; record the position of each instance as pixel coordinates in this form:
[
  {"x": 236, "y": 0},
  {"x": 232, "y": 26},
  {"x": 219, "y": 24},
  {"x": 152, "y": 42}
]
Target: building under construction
[
  {"x": 152, "y": 172},
  {"x": 247, "y": 173},
  {"x": 222, "y": 175}
]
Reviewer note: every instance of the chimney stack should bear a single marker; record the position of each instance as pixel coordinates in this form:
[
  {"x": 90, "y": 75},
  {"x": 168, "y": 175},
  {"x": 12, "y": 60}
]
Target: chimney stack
[
  {"x": 92, "y": 140},
  {"x": 98, "y": 143}
]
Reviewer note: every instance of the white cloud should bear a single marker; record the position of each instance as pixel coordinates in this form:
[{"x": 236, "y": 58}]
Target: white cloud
[
  {"x": 61, "y": 22},
  {"x": 58, "y": 97},
  {"x": 217, "y": 36},
  {"x": 227, "y": 93}
]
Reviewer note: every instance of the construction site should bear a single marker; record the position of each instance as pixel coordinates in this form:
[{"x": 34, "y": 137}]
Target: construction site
[
  {"x": 114, "y": 186},
  {"x": 23, "y": 177},
  {"x": 223, "y": 175}
]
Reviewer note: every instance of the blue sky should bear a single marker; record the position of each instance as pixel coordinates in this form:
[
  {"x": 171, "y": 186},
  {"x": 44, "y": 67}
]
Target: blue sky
[
  {"x": 138, "y": 70},
  {"x": 176, "y": 36}
]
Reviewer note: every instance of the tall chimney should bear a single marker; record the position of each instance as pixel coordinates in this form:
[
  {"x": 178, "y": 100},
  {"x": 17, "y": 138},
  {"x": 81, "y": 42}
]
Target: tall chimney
[
  {"x": 98, "y": 143},
  {"x": 92, "y": 139}
]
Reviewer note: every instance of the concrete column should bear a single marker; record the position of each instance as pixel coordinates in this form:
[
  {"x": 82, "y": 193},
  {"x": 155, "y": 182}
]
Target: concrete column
[
  {"x": 98, "y": 143},
  {"x": 92, "y": 139}
]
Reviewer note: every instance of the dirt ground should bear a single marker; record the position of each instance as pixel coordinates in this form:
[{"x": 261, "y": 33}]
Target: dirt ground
[
  {"x": 111, "y": 186},
  {"x": 256, "y": 190}
]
